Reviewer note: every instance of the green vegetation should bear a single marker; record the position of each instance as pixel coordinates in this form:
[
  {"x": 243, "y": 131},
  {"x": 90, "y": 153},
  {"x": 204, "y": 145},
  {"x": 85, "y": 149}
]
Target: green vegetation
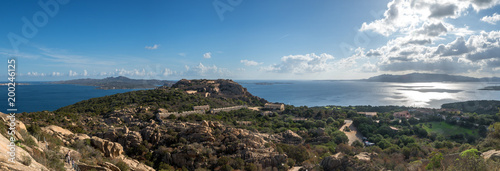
[{"x": 446, "y": 129}]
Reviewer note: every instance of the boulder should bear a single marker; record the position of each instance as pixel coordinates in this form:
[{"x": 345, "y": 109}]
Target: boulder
[
  {"x": 290, "y": 137},
  {"x": 108, "y": 148},
  {"x": 492, "y": 154},
  {"x": 136, "y": 165},
  {"x": 84, "y": 167},
  {"x": 21, "y": 156},
  {"x": 110, "y": 166},
  {"x": 334, "y": 162},
  {"x": 365, "y": 156}
]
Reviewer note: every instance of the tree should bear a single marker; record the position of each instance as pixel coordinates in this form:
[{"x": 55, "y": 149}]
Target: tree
[
  {"x": 357, "y": 144},
  {"x": 435, "y": 161}
]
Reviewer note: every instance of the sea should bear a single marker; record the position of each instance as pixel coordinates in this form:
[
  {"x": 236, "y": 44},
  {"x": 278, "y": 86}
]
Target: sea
[{"x": 40, "y": 96}]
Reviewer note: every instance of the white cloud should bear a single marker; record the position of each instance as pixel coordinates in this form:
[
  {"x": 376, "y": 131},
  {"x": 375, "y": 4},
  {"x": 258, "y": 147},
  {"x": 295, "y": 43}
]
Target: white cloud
[
  {"x": 491, "y": 19},
  {"x": 56, "y": 74},
  {"x": 300, "y": 64},
  {"x": 155, "y": 46},
  {"x": 369, "y": 67},
  {"x": 36, "y": 74},
  {"x": 168, "y": 72},
  {"x": 201, "y": 70},
  {"x": 207, "y": 55},
  {"x": 182, "y": 54},
  {"x": 477, "y": 53},
  {"x": 72, "y": 73},
  {"x": 406, "y": 15},
  {"x": 250, "y": 62},
  {"x": 85, "y": 73}
]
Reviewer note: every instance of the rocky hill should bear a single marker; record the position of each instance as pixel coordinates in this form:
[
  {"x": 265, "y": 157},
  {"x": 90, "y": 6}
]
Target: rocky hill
[{"x": 219, "y": 88}]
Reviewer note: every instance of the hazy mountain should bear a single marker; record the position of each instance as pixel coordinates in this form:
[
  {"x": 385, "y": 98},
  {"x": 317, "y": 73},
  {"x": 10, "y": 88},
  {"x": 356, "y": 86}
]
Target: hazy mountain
[{"x": 119, "y": 82}]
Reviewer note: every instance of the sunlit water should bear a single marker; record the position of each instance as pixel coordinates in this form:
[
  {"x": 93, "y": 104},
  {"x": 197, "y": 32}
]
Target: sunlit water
[
  {"x": 38, "y": 97},
  {"x": 344, "y": 93}
]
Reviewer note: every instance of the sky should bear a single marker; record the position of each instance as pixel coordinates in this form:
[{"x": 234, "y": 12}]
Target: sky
[{"x": 249, "y": 40}]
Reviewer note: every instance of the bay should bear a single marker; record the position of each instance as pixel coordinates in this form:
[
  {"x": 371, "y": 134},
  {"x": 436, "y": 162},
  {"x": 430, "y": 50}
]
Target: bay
[{"x": 39, "y": 96}]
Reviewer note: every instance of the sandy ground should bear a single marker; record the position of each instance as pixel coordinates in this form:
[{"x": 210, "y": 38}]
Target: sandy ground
[
  {"x": 353, "y": 135},
  {"x": 294, "y": 169}
]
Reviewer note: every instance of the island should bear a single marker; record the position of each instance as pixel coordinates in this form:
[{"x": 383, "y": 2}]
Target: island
[
  {"x": 119, "y": 82},
  {"x": 491, "y": 88}
]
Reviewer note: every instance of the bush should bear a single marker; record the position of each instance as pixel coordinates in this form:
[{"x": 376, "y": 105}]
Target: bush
[
  {"x": 26, "y": 160},
  {"x": 122, "y": 165},
  {"x": 251, "y": 167}
]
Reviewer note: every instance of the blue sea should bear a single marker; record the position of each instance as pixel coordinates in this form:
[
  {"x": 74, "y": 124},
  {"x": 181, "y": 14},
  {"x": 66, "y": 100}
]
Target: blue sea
[{"x": 41, "y": 96}]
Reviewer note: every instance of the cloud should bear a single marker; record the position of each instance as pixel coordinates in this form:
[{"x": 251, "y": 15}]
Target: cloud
[
  {"x": 201, "y": 70},
  {"x": 72, "y": 73},
  {"x": 155, "y": 46},
  {"x": 403, "y": 16},
  {"x": 300, "y": 64},
  {"x": 250, "y": 62},
  {"x": 369, "y": 67},
  {"x": 182, "y": 54},
  {"x": 433, "y": 30},
  {"x": 207, "y": 55},
  {"x": 36, "y": 74},
  {"x": 443, "y": 10},
  {"x": 479, "y": 52},
  {"x": 491, "y": 19},
  {"x": 168, "y": 72}
]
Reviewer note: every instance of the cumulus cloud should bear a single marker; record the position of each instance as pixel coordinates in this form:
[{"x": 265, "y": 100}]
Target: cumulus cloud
[
  {"x": 432, "y": 30},
  {"x": 443, "y": 10},
  {"x": 168, "y": 72},
  {"x": 207, "y": 55},
  {"x": 249, "y": 62},
  {"x": 300, "y": 64},
  {"x": 405, "y": 15},
  {"x": 201, "y": 70},
  {"x": 477, "y": 53},
  {"x": 491, "y": 19},
  {"x": 155, "y": 46},
  {"x": 36, "y": 74},
  {"x": 72, "y": 73}
]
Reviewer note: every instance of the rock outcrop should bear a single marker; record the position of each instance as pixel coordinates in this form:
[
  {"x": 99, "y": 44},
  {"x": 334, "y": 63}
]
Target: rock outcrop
[
  {"x": 334, "y": 162},
  {"x": 289, "y": 137},
  {"x": 491, "y": 154},
  {"x": 108, "y": 148}
]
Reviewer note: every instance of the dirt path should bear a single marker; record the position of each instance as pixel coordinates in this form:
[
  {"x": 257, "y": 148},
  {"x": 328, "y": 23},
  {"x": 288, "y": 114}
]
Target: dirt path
[
  {"x": 353, "y": 135},
  {"x": 294, "y": 169}
]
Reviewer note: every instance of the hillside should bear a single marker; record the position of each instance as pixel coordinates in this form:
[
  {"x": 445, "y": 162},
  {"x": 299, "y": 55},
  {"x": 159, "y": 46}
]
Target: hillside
[
  {"x": 126, "y": 131},
  {"x": 119, "y": 82},
  {"x": 423, "y": 77},
  {"x": 477, "y": 106}
]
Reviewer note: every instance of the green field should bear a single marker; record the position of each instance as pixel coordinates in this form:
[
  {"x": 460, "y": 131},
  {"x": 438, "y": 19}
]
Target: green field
[{"x": 446, "y": 129}]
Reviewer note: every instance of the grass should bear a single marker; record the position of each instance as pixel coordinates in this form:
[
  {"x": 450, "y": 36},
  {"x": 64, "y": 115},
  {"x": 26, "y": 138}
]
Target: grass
[{"x": 446, "y": 129}]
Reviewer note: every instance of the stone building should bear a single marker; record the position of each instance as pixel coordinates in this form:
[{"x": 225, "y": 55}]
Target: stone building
[{"x": 274, "y": 106}]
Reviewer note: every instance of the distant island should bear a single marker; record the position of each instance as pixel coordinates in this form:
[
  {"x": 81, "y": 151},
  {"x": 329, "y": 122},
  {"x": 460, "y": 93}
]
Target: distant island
[
  {"x": 119, "y": 82},
  {"x": 491, "y": 88},
  {"x": 423, "y": 77}
]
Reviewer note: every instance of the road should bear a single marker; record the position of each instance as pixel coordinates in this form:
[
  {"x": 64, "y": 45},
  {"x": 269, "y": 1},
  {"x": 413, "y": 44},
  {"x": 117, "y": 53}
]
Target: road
[{"x": 353, "y": 135}]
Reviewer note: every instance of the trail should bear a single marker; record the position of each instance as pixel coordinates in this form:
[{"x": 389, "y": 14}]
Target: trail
[{"x": 353, "y": 135}]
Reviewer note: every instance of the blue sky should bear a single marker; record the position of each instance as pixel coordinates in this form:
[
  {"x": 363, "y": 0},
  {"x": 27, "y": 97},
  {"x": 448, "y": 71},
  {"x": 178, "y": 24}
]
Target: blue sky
[{"x": 283, "y": 39}]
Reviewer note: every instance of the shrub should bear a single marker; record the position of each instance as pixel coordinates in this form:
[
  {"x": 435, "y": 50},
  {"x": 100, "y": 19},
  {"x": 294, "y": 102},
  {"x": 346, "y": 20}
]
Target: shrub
[
  {"x": 122, "y": 165},
  {"x": 26, "y": 160}
]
